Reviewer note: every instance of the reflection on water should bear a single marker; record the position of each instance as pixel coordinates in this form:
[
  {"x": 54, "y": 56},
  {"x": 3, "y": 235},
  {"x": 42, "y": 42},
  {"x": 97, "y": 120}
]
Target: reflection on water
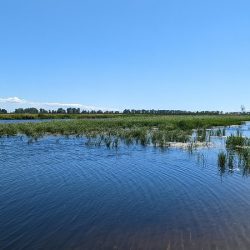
[
  {"x": 59, "y": 193},
  {"x": 235, "y": 156},
  {"x": 234, "y": 161}
]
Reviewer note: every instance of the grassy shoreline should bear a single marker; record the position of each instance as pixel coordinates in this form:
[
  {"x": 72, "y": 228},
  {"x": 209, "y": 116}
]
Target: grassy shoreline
[{"x": 144, "y": 129}]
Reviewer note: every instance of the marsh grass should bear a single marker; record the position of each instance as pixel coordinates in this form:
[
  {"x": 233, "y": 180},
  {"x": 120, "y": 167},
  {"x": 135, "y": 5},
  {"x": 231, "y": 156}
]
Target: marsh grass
[
  {"x": 202, "y": 135},
  {"x": 222, "y": 160},
  {"x": 146, "y": 130},
  {"x": 238, "y": 152},
  {"x": 237, "y": 142},
  {"x": 231, "y": 161},
  {"x": 218, "y": 132}
]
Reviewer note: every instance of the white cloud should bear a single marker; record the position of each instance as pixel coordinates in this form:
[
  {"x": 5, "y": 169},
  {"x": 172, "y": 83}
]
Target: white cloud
[
  {"x": 12, "y": 100},
  {"x": 16, "y": 102}
]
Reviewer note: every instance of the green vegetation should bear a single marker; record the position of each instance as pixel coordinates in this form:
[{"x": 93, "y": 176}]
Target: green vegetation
[
  {"x": 3, "y": 111},
  {"x": 237, "y": 142},
  {"x": 110, "y": 129},
  {"x": 77, "y": 113},
  {"x": 222, "y": 159},
  {"x": 218, "y": 132},
  {"x": 157, "y": 130},
  {"x": 69, "y": 110},
  {"x": 238, "y": 153},
  {"x": 239, "y": 158}
]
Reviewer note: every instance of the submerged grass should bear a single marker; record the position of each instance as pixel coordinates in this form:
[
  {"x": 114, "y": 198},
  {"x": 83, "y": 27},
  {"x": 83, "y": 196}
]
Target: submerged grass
[{"x": 143, "y": 129}]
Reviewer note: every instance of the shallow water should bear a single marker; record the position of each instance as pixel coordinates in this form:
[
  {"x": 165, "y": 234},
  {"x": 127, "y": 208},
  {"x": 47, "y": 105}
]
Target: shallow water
[
  {"x": 29, "y": 120},
  {"x": 58, "y": 193}
]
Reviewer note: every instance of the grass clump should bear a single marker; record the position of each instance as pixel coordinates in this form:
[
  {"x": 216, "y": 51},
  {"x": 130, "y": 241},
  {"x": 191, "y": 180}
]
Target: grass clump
[
  {"x": 238, "y": 153},
  {"x": 222, "y": 160},
  {"x": 237, "y": 142}
]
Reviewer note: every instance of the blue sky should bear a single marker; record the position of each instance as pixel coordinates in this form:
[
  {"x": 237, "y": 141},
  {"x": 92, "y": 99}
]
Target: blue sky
[{"x": 190, "y": 55}]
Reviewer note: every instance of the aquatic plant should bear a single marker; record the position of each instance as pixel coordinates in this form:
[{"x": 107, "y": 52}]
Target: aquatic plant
[
  {"x": 222, "y": 159},
  {"x": 238, "y": 151},
  {"x": 245, "y": 156},
  {"x": 231, "y": 161},
  {"x": 202, "y": 135},
  {"x": 217, "y": 132},
  {"x": 237, "y": 141}
]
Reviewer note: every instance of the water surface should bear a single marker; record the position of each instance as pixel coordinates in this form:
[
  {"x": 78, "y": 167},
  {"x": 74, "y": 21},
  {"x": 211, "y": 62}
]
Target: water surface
[
  {"x": 30, "y": 120},
  {"x": 58, "y": 193}
]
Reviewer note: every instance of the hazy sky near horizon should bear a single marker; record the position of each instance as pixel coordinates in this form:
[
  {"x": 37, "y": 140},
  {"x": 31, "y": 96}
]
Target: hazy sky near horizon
[{"x": 189, "y": 55}]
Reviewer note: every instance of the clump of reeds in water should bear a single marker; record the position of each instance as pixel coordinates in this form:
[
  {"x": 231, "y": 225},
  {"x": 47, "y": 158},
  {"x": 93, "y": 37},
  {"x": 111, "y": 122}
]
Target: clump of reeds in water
[
  {"x": 238, "y": 152},
  {"x": 222, "y": 160},
  {"x": 244, "y": 155},
  {"x": 237, "y": 142},
  {"x": 230, "y": 161},
  {"x": 226, "y": 160},
  {"x": 99, "y": 140},
  {"x": 201, "y": 135},
  {"x": 218, "y": 132}
]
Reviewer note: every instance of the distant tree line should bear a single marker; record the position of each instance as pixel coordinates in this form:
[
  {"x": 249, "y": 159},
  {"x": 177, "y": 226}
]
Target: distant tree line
[
  {"x": 61, "y": 111},
  {"x": 170, "y": 112},
  {"x": 3, "y": 111},
  {"x": 126, "y": 111}
]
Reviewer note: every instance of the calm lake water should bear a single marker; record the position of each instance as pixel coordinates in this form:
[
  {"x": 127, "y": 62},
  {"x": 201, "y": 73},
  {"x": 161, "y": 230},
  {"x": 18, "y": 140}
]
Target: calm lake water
[{"x": 58, "y": 193}]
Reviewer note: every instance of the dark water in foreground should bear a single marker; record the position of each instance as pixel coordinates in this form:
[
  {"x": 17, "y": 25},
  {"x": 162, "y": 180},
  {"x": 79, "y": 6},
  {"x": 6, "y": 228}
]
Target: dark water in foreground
[{"x": 58, "y": 193}]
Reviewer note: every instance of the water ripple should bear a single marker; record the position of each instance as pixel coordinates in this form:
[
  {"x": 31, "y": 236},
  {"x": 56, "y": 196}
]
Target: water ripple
[{"x": 58, "y": 193}]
